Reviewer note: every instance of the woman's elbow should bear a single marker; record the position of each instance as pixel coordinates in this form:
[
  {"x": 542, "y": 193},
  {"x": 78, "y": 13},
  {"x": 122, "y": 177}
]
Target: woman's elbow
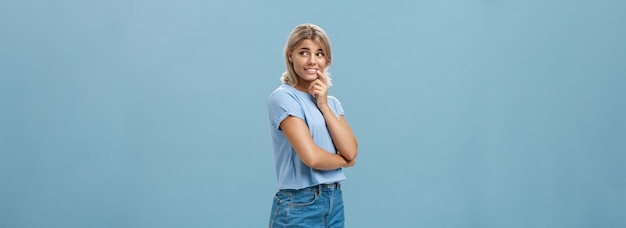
[{"x": 349, "y": 155}]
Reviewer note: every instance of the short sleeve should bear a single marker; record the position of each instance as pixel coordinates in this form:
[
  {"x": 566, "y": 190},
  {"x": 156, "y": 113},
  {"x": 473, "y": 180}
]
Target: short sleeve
[
  {"x": 336, "y": 105},
  {"x": 281, "y": 105}
]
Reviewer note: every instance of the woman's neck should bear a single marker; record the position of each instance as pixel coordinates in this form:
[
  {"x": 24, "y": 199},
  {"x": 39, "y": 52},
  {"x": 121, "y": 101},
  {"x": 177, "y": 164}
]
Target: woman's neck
[{"x": 303, "y": 86}]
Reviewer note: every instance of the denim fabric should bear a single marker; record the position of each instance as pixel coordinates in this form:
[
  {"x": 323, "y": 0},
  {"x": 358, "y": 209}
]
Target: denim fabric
[{"x": 317, "y": 206}]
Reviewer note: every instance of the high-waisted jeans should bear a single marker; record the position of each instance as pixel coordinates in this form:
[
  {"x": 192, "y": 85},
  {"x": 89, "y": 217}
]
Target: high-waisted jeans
[{"x": 316, "y": 206}]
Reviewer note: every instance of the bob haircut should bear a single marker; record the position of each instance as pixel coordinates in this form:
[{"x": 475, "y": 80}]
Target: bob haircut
[{"x": 299, "y": 34}]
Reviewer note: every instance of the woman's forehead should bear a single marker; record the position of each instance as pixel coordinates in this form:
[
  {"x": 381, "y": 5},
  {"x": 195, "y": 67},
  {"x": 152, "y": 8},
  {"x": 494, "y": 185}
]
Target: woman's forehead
[{"x": 309, "y": 44}]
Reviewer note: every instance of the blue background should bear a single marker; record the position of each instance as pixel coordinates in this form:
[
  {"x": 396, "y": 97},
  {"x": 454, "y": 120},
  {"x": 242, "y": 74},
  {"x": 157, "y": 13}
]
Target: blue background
[{"x": 479, "y": 113}]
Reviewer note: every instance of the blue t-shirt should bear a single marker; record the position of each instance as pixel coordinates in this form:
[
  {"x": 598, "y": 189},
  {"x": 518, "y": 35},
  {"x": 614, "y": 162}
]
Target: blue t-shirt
[{"x": 291, "y": 172}]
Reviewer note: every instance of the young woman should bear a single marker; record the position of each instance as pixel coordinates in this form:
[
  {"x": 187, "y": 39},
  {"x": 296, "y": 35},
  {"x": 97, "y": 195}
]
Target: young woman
[{"x": 311, "y": 139}]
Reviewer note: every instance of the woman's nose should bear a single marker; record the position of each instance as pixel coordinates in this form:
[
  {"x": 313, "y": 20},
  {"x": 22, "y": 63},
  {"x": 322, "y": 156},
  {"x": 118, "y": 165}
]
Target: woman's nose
[{"x": 311, "y": 60}]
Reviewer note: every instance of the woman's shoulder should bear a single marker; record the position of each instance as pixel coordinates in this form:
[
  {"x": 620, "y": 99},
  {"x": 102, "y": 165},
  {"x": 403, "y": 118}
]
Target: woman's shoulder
[{"x": 283, "y": 93}]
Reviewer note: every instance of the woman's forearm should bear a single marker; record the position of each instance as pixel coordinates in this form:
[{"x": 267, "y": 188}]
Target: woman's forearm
[
  {"x": 297, "y": 133},
  {"x": 327, "y": 161},
  {"x": 343, "y": 137}
]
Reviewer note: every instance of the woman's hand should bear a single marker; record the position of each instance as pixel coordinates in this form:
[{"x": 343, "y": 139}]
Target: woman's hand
[{"x": 319, "y": 90}]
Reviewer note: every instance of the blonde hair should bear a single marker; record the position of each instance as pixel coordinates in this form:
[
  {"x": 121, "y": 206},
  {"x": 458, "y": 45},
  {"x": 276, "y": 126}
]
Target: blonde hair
[{"x": 299, "y": 34}]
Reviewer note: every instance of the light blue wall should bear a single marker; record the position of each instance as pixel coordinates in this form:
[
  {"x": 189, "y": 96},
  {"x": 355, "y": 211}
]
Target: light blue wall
[{"x": 478, "y": 113}]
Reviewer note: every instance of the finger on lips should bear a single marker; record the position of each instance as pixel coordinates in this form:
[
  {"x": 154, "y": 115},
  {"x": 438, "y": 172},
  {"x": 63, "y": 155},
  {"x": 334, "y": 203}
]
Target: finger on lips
[{"x": 321, "y": 76}]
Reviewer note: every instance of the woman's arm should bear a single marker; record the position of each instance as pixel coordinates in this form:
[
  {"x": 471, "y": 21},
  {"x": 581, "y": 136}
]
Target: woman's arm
[
  {"x": 341, "y": 133},
  {"x": 297, "y": 132},
  {"x": 343, "y": 138}
]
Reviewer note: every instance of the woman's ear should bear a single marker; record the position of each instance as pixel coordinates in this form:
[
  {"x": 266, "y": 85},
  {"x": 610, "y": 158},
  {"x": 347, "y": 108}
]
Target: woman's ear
[{"x": 289, "y": 57}]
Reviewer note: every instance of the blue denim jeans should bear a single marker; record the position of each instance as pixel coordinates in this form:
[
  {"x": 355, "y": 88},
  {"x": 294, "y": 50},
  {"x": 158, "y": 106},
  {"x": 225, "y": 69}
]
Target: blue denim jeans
[{"x": 317, "y": 206}]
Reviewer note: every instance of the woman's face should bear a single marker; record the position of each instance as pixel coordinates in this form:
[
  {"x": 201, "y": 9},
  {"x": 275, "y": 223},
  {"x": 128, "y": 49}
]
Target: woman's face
[{"x": 307, "y": 58}]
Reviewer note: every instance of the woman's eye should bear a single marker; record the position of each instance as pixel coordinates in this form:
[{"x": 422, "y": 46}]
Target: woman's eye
[
  {"x": 319, "y": 54},
  {"x": 304, "y": 53}
]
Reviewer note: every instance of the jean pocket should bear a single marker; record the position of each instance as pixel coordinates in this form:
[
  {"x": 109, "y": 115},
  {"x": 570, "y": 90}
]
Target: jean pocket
[
  {"x": 303, "y": 198},
  {"x": 283, "y": 196}
]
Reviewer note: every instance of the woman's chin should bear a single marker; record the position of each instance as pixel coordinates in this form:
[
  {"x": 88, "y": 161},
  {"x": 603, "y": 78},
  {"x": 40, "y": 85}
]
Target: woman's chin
[
  {"x": 309, "y": 78},
  {"x": 312, "y": 76}
]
